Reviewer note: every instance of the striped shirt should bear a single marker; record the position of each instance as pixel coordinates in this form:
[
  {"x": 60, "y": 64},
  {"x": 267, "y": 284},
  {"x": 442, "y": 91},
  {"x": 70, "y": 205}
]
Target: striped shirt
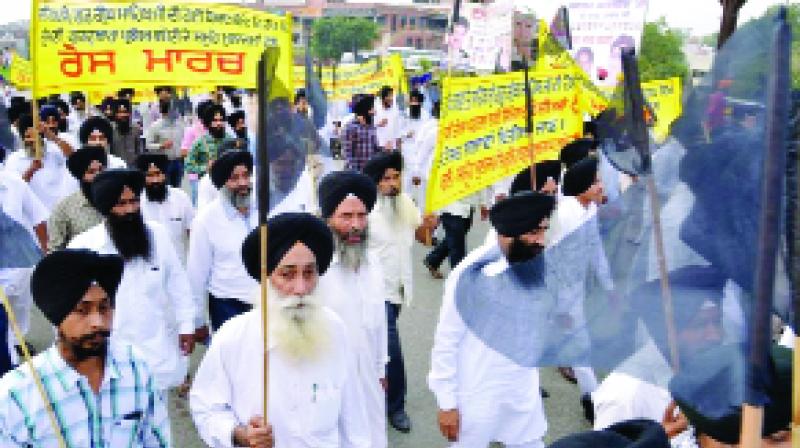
[{"x": 127, "y": 412}]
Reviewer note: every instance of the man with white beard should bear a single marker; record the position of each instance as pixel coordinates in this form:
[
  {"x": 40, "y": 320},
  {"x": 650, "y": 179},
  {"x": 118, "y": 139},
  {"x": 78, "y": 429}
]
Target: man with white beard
[
  {"x": 313, "y": 393},
  {"x": 356, "y": 289},
  {"x": 392, "y": 224}
]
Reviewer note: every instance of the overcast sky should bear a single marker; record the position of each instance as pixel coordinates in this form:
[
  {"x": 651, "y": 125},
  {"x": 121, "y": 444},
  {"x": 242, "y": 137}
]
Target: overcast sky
[{"x": 701, "y": 16}]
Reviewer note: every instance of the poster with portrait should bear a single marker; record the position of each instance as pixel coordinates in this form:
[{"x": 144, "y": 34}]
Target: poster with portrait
[
  {"x": 600, "y": 29},
  {"x": 482, "y": 37}
]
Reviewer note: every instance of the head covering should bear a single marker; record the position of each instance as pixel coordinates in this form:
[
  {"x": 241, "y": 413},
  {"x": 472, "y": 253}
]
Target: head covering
[
  {"x": 714, "y": 381},
  {"x": 637, "y": 433},
  {"x": 364, "y": 104},
  {"x": 284, "y": 231},
  {"x": 25, "y": 122},
  {"x": 61, "y": 105},
  {"x": 75, "y": 96},
  {"x": 580, "y": 177},
  {"x": 338, "y": 185},
  {"x": 144, "y": 161},
  {"x": 108, "y": 185},
  {"x": 61, "y": 279},
  {"x": 521, "y": 213},
  {"x": 235, "y": 117},
  {"x": 385, "y": 91},
  {"x": 119, "y": 103},
  {"x": 95, "y": 123},
  {"x": 222, "y": 169},
  {"x": 376, "y": 167},
  {"x": 106, "y": 103},
  {"x": 576, "y": 151},
  {"x": 544, "y": 169},
  {"x": 79, "y": 161},
  {"x": 158, "y": 89},
  {"x": 209, "y": 112},
  {"x": 48, "y": 110}
]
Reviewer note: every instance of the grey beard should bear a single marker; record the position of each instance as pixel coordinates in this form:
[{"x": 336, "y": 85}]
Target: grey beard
[
  {"x": 237, "y": 200},
  {"x": 351, "y": 255}
]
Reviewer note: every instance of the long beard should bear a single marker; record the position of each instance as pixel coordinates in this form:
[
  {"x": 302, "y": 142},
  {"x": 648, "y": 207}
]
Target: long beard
[
  {"x": 352, "y": 255},
  {"x": 156, "y": 192},
  {"x": 520, "y": 252},
  {"x": 217, "y": 133},
  {"x": 129, "y": 235},
  {"x": 301, "y": 332},
  {"x": 237, "y": 199}
]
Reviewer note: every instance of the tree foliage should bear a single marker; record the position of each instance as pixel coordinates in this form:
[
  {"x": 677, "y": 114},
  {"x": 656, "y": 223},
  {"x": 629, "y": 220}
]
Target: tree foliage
[
  {"x": 662, "y": 54},
  {"x": 334, "y": 36}
]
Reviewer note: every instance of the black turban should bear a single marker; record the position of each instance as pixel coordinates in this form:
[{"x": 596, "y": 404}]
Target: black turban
[
  {"x": 364, "y": 104},
  {"x": 284, "y": 231},
  {"x": 544, "y": 169},
  {"x": 108, "y": 185},
  {"x": 209, "y": 112},
  {"x": 575, "y": 151},
  {"x": 376, "y": 167},
  {"x": 336, "y": 186},
  {"x": 48, "y": 110},
  {"x": 96, "y": 123},
  {"x": 120, "y": 103},
  {"x": 234, "y": 118},
  {"x": 637, "y": 433},
  {"x": 222, "y": 169},
  {"x": 62, "y": 278},
  {"x": 80, "y": 160},
  {"x": 521, "y": 213},
  {"x": 580, "y": 177},
  {"x": 144, "y": 161},
  {"x": 711, "y": 382}
]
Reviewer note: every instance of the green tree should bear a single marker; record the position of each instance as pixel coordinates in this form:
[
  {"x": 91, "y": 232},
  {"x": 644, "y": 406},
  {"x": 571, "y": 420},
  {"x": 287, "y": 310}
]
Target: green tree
[
  {"x": 333, "y": 36},
  {"x": 662, "y": 52}
]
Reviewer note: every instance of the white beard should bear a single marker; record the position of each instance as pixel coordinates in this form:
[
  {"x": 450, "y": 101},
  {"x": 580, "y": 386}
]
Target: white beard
[
  {"x": 352, "y": 255},
  {"x": 301, "y": 332}
]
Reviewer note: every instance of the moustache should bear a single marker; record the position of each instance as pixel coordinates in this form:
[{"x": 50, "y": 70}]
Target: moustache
[{"x": 105, "y": 334}]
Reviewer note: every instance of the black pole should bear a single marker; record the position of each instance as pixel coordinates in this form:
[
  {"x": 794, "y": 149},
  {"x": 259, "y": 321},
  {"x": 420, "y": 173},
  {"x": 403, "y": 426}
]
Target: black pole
[
  {"x": 770, "y": 217},
  {"x": 262, "y": 187}
]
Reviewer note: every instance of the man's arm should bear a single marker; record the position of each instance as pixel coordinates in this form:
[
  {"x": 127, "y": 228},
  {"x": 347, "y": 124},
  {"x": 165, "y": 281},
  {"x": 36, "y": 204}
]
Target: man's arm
[
  {"x": 450, "y": 331},
  {"x": 177, "y": 287},
  {"x": 198, "y": 267},
  {"x": 41, "y": 234}
]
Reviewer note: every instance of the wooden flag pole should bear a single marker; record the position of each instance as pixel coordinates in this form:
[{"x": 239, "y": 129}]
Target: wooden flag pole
[
  {"x": 263, "y": 209},
  {"x": 26, "y": 355},
  {"x": 34, "y": 40},
  {"x": 529, "y": 122}
]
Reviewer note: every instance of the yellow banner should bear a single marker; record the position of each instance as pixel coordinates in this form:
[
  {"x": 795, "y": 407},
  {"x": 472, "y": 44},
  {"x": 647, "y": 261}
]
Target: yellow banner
[
  {"x": 357, "y": 78},
  {"x": 92, "y": 46},
  {"x": 664, "y": 97},
  {"x": 482, "y": 135},
  {"x": 20, "y": 72}
]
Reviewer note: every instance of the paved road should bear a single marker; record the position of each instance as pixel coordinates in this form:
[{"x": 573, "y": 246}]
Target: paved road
[{"x": 417, "y": 324}]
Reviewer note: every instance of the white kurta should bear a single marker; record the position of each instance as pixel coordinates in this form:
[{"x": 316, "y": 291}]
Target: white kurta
[
  {"x": 497, "y": 399},
  {"x": 311, "y": 404},
  {"x": 358, "y": 299},
  {"x": 53, "y": 182},
  {"x": 391, "y": 131},
  {"x": 145, "y": 296},
  {"x": 391, "y": 241},
  {"x": 174, "y": 214}
]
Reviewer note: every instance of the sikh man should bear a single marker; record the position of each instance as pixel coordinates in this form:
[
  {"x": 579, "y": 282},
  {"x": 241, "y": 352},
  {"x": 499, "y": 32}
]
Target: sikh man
[
  {"x": 48, "y": 177},
  {"x": 360, "y": 140},
  {"x": 356, "y": 288},
  {"x": 79, "y": 113},
  {"x": 314, "y": 398},
  {"x": 208, "y": 147},
  {"x": 214, "y": 264},
  {"x": 75, "y": 214},
  {"x": 575, "y": 229},
  {"x": 482, "y": 395},
  {"x": 387, "y": 119},
  {"x": 164, "y": 204},
  {"x": 413, "y": 137},
  {"x": 126, "y": 142},
  {"x": 97, "y": 131},
  {"x": 164, "y": 135},
  {"x": 392, "y": 225},
  {"x": 154, "y": 283},
  {"x": 76, "y": 292}
]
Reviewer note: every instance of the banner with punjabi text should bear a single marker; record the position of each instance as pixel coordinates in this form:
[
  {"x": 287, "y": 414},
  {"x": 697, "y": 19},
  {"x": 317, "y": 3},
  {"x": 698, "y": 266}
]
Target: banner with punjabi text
[
  {"x": 482, "y": 135},
  {"x": 89, "y": 46},
  {"x": 351, "y": 79},
  {"x": 20, "y": 72},
  {"x": 665, "y": 98}
]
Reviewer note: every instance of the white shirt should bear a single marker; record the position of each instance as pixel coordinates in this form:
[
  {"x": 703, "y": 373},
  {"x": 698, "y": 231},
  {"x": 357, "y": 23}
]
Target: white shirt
[
  {"x": 469, "y": 376},
  {"x": 19, "y": 202},
  {"x": 391, "y": 131},
  {"x": 215, "y": 262},
  {"x": 391, "y": 240},
  {"x": 53, "y": 182},
  {"x": 313, "y": 404},
  {"x": 357, "y": 297},
  {"x": 174, "y": 214},
  {"x": 149, "y": 292}
]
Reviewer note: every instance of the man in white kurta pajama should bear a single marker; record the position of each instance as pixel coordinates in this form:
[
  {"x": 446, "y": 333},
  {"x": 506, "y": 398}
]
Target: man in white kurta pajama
[
  {"x": 314, "y": 396},
  {"x": 355, "y": 288},
  {"x": 482, "y": 395},
  {"x": 152, "y": 286}
]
